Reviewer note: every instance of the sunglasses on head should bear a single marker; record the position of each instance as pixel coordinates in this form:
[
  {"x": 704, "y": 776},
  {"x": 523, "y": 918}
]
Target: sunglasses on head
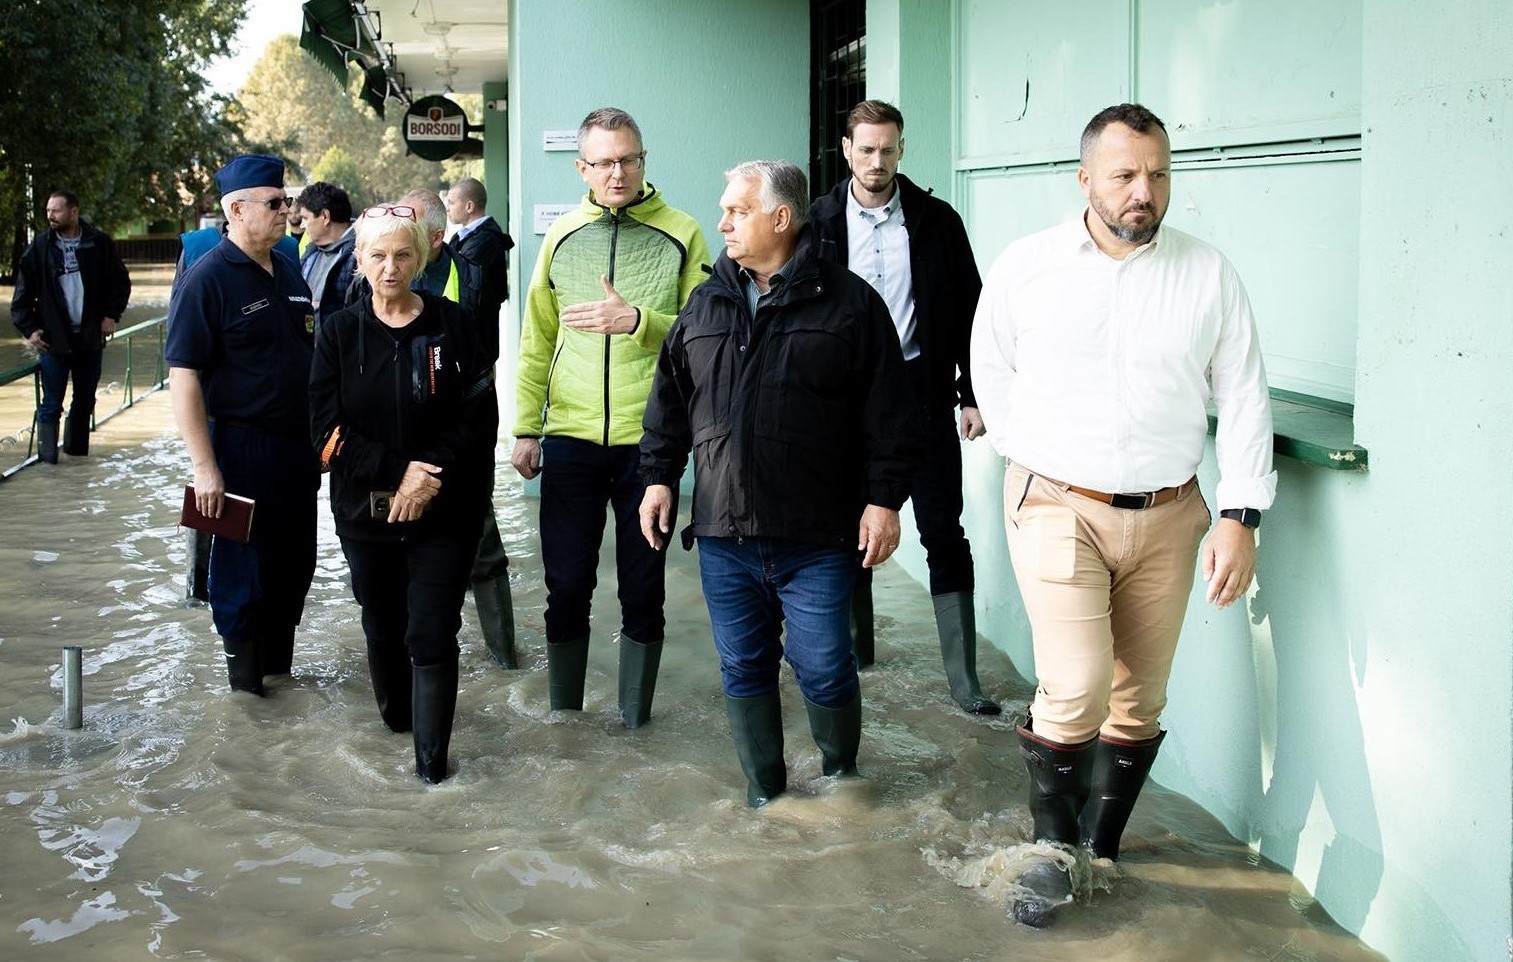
[{"x": 383, "y": 210}]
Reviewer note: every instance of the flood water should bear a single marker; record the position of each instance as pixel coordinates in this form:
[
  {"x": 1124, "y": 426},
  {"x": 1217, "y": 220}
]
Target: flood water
[{"x": 184, "y": 823}]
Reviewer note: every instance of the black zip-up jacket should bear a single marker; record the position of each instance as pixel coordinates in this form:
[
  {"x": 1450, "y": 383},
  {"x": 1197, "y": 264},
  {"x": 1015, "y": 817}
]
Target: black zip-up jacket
[
  {"x": 488, "y": 246},
  {"x": 798, "y": 418},
  {"x": 946, "y": 282},
  {"x": 38, "y": 303},
  {"x": 382, "y": 397}
]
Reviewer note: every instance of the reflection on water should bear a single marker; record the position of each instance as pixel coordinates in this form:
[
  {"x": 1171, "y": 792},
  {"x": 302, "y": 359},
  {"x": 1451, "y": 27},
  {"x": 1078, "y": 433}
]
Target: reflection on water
[{"x": 182, "y": 822}]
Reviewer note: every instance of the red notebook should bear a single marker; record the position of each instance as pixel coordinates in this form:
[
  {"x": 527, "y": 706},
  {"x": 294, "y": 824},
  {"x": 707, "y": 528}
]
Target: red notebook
[{"x": 235, "y": 521}]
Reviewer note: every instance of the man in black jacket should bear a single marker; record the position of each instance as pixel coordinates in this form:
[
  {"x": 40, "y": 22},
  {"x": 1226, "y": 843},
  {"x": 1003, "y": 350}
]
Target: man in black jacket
[
  {"x": 480, "y": 239},
  {"x": 781, "y": 376},
  {"x": 912, "y": 248},
  {"x": 71, "y": 289},
  {"x": 327, "y": 263}
]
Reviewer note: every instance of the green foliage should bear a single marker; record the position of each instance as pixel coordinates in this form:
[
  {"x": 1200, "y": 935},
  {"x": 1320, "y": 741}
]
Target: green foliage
[
  {"x": 106, "y": 98},
  {"x": 324, "y": 132}
]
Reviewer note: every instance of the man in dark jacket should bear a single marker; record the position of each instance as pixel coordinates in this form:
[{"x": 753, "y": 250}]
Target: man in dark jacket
[
  {"x": 480, "y": 239},
  {"x": 71, "y": 289},
  {"x": 782, "y": 375},
  {"x": 327, "y": 262},
  {"x": 912, "y": 248}
]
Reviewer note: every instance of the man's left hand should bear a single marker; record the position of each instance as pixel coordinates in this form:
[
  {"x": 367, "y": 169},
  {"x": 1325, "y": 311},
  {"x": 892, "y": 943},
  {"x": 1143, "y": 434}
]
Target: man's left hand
[
  {"x": 107, "y": 326},
  {"x": 1229, "y": 562},
  {"x": 877, "y": 535},
  {"x": 972, "y": 427},
  {"x": 609, "y": 316}
]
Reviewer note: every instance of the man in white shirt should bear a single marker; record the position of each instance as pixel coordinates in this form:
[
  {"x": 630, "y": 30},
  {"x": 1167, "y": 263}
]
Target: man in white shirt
[{"x": 1096, "y": 349}]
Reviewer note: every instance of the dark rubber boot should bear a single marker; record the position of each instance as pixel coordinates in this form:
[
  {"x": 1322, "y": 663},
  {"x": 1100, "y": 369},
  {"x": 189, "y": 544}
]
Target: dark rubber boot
[
  {"x": 863, "y": 632},
  {"x": 196, "y": 566},
  {"x": 434, "y": 700},
  {"x": 1119, "y": 771},
  {"x": 566, "y": 666},
  {"x": 1060, "y": 782},
  {"x": 393, "y": 685},
  {"x": 956, "y": 623},
  {"x": 244, "y": 669},
  {"x": 838, "y": 733},
  {"x": 496, "y": 616},
  {"x": 638, "y": 679},
  {"x": 47, "y": 441},
  {"x": 76, "y": 434},
  {"x": 756, "y": 725},
  {"x": 278, "y": 650}
]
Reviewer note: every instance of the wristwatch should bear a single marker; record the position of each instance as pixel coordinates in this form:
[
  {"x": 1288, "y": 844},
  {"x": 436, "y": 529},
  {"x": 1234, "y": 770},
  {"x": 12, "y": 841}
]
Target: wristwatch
[{"x": 1250, "y": 517}]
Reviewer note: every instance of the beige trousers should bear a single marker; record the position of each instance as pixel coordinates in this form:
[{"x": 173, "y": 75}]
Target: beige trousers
[{"x": 1105, "y": 590}]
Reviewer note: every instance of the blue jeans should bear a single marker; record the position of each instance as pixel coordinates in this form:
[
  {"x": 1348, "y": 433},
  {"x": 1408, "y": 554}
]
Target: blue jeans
[
  {"x": 756, "y": 585},
  {"x": 55, "y": 369}
]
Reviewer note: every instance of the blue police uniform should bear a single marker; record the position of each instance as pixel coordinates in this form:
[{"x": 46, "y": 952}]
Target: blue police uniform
[{"x": 250, "y": 335}]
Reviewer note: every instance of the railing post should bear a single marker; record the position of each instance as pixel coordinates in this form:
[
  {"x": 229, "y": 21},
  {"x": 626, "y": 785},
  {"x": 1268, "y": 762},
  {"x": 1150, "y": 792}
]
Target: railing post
[{"x": 73, "y": 686}]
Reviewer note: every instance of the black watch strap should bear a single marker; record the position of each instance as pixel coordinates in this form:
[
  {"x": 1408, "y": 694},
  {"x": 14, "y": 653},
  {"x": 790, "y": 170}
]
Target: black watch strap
[{"x": 1250, "y": 517}]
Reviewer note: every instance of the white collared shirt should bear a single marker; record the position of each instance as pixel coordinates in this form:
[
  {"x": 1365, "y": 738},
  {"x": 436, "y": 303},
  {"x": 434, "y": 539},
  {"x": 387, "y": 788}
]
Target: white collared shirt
[
  {"x": 1098, "y": 372},
  {"x": 469, "y": 227},
  {"x": 879, "y": 254}
]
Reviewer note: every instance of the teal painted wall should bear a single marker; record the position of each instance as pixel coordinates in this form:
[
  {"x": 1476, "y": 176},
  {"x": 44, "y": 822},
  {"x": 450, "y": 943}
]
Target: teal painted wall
[
  {"x": 918, "y": 84},
  {"x": 1352, "y": 721},
  {"x": 710, "y": 84}
]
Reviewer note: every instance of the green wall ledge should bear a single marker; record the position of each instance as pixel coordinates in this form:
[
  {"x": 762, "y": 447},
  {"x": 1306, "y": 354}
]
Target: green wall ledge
[{"x": 1313, "y": 430}]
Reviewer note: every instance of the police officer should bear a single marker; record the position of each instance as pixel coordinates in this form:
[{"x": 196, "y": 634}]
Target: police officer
[{"x": 240, "y": 339}]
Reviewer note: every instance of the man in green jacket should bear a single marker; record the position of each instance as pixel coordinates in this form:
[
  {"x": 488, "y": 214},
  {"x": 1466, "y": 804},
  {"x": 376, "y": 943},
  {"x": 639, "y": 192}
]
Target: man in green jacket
[{"x": 610, "y": 281}]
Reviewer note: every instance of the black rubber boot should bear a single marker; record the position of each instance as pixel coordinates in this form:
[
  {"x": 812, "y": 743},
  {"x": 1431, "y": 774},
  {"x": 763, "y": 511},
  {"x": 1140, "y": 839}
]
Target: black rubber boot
[
  {"x": 638, "y": 679},
  {"x": 244, "y": 668},
  {"x": 196, "y": 566},
  {"x": 1060, "y": 782},
  {"x": 278, "y": 650},
  {"x": 434, "y": 700},
  {"x": 76, "y": 434},
  {"x": 496, "y": 616},
  {"x": 393, "y": 685},
  {"x": 756, "y": 725},
  {"x": 863, "y": 632},
  {"x": 838, "y": 733},
  {"x": 47, "y": 441},
  {"x": 566, "y": 666},
  {"x": 956, "y": 623},
  {"x": 1119, "y": 771}
]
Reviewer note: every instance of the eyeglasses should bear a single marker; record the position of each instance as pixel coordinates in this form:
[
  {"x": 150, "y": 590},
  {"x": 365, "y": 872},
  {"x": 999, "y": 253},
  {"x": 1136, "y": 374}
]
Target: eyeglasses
[
  {"x": 384, "y": 210},
  {"x": 275, "y": 203},
  {"x": 629, "y": 164}
]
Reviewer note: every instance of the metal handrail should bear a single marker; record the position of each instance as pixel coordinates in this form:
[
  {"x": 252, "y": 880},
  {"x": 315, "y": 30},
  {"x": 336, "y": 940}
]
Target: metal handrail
[{"x": 158, "y": 325}]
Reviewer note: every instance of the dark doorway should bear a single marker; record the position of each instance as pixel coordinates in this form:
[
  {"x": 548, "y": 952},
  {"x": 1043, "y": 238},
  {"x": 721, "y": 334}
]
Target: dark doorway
[{"x": 838, "y": 81}]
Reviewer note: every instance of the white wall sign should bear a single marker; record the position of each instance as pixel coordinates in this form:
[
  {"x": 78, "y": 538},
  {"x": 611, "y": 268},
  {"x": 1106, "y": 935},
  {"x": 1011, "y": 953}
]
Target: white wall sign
[
  {"x": 559, "y": 139},
  {"x": 545, "y": 214}
]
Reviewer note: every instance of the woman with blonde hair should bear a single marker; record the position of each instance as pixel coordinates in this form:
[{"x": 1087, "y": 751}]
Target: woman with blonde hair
[{"x": 404, "y": 417}]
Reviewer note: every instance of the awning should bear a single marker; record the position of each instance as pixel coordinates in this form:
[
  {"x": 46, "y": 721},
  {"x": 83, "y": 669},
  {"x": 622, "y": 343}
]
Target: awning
[{"x": 339, "y": 32}]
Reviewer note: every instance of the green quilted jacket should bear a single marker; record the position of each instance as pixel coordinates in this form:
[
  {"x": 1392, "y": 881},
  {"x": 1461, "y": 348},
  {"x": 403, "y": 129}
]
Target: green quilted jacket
[{"x": 594, "y": 386}]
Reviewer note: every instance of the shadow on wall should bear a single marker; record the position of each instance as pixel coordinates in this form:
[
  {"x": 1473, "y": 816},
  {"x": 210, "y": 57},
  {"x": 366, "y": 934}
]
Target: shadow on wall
[{"x": 1307, "y": 680}]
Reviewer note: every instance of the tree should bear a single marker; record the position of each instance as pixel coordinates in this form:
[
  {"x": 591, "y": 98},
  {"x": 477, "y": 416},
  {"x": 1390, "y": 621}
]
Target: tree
[
  {"x": 106, "y": 98},
  {"x": 336, "y": 166},
  {"x": 293, "y": 102}
]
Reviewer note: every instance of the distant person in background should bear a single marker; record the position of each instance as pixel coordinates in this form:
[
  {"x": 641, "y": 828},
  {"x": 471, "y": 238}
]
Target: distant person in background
[
  {"x": 326, "y": 261},
  {"x": 297, "y": 217},
  {"x": 480, "y": 239},
  {"x": 240, "y": 339},
  {"x": 71, "y": 290},
  {"x": 410, "y": 472}
]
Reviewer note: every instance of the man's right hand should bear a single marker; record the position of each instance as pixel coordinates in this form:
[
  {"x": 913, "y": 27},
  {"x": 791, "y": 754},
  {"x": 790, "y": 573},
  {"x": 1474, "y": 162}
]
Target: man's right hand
[
  {"x": 527, "y": 457},
  {"x": 36, "y": 340},
  {"x": 209, "y": 490},
  {"x": 656, "y": 515}
]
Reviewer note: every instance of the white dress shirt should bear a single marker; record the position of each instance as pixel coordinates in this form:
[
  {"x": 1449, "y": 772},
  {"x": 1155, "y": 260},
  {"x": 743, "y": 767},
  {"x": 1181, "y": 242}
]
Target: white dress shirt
[
  {"x": 1098, "y": 372},
  {"x": 469, "y": 227},
  {"x": 879, "y": 254}
]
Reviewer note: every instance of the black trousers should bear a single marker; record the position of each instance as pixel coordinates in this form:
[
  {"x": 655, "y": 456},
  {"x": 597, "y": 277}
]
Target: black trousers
[
  {"x": 577, "y": 479},
  {"x": 411, "y": 593}
]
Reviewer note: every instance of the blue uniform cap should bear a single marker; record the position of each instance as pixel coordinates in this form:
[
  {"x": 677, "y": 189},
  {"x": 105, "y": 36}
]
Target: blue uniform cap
[{"x": 250, "y": 170}]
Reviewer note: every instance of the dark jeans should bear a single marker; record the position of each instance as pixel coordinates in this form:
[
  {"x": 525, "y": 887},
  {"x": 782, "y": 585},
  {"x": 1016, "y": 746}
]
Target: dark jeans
[
  {"x": 411, "y": 593},
  {"x": 577, "y": 479},
  {"x": 56, "y": 368},
  {"x": 257, "y": 589},
  {"x": 756, "y": 586}
]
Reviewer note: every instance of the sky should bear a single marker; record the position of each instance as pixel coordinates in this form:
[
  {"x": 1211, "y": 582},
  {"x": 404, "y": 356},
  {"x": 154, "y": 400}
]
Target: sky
[{"x": 265, "y": 20}]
